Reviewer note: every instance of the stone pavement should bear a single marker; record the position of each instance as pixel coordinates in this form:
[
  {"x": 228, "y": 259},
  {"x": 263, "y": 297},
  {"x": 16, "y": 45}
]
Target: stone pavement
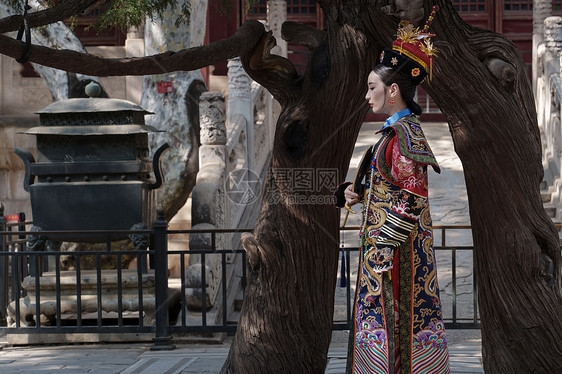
[
  {"x": 192, "y": 358},
  {"x": 449, "y": 205}
]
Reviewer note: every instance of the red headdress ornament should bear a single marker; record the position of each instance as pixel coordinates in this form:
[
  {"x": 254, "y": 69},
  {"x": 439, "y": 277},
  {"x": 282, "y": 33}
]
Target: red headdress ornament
[{"x": 412, "y": 51}]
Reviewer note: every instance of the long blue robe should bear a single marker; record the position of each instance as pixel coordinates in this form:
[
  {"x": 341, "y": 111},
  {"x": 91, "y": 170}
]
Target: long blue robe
[{"x": 398, "y": 325}]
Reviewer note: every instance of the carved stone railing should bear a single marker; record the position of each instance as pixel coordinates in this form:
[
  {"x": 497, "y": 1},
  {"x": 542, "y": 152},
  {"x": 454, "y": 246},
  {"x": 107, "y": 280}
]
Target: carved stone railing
[
  {"x": 236, "y": 146},
  {"x": 541, "y": 10},
  {"x": 208, "y": 199},
  {"x": 250, "y": 136},
  {"x": 548, "y": 100}
]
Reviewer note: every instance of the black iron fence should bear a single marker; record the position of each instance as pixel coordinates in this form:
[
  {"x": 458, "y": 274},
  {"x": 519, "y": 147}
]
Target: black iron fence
[{"x": 39, "y": 297}]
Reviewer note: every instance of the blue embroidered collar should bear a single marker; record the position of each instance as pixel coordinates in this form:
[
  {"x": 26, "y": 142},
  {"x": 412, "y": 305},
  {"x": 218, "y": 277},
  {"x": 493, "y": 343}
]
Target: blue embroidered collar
[{"x": 395, "y": 117}]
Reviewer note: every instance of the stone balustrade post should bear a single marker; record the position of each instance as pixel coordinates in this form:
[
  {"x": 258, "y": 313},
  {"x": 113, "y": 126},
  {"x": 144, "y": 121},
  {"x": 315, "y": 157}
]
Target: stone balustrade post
[
  {"x": 212, "y": 113},
  {"x": 209, "y": 195},
  {"x": 541, "y": 10},
  {"x": 276, "y": 15},
  {"x": 209, "y": 209},
  {"x": 240, "y": 103},
  {"x": 553, "y": 44},
  {"x": 134, "y": 47},
  {"x": 549, "y": 59},
  {"x": 550, "y": 67}
]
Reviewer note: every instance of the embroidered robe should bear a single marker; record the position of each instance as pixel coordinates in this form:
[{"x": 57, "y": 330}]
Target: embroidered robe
[{"x": 398, "y": 325}]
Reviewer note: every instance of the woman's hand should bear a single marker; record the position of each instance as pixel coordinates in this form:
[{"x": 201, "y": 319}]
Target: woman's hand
[{"x": 351, "y": 197}]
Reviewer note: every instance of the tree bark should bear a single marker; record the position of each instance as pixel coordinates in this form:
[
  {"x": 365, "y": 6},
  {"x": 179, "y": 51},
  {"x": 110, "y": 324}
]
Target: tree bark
[
  {"x": 480, "y": 83},
  {"x": 285, "y": 322}
]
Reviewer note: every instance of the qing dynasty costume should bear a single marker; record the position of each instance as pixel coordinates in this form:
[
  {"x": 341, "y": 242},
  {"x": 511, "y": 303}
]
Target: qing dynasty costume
[{"x": 398, "y": 325}]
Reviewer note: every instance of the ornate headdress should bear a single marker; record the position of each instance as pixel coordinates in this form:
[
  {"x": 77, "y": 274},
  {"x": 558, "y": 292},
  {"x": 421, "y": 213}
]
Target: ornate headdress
[{"x": 412, "y": 51}]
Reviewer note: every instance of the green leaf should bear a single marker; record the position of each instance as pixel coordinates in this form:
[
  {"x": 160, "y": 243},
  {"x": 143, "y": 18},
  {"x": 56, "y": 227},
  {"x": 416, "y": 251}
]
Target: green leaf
[{"x": 124, "y": 14}]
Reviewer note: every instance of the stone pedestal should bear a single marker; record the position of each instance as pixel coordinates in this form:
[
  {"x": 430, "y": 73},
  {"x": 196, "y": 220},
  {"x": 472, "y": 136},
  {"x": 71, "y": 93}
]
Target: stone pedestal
[{"x": 88, "y": 300}]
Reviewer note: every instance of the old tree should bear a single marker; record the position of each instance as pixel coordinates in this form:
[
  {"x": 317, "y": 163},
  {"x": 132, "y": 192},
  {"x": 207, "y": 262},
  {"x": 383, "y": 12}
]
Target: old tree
[{"x": 480, "y": 84}]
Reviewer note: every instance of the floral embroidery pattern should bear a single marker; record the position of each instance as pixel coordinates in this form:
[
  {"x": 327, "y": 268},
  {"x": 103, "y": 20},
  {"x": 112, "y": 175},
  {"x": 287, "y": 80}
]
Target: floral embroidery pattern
[
  {"x": 415, "y": 72},
  {"x": 394, "y": 61},
  {"x": 411, "y": 135},
  {"x": 382, "y": 56},
  {"x": 407, "y": 173}
]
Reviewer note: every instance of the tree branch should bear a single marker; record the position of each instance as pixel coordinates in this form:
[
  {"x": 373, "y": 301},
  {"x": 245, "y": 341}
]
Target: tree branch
[
  {"x": 240, "y": 43},
  {"x": 56, "y": 13},
  {"x": 277, "y": 74},
  {"x": 299, "y": 33},
  {"x": 252, "y": 248}
]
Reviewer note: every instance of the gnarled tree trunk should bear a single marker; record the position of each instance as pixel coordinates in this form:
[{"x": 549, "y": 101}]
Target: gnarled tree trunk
[
  {"x": 285, "y": 322},
  {"x": 479, "y": 82},
  {"x": 482, "y": 86}
]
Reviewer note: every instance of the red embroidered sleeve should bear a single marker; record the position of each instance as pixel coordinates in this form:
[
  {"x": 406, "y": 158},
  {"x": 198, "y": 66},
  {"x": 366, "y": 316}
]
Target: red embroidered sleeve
[{"x": 409, "y": 174}]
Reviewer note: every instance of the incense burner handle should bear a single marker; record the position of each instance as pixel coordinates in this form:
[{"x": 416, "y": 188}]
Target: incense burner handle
[
  {"x": 27, "y": 159},
  {"x": 156, "y": 166}
]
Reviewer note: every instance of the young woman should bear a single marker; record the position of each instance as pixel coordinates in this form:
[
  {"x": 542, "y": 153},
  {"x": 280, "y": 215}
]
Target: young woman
[{"x": 398, "y": 326}]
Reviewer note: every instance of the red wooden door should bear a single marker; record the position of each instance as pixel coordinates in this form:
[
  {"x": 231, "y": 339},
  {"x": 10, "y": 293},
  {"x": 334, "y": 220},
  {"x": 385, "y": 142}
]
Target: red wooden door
[{"x": 511, "y": 18}]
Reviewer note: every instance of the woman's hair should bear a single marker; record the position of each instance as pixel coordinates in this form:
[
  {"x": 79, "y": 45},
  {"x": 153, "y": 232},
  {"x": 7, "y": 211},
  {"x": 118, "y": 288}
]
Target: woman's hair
[{"x": 407, "y": 88}]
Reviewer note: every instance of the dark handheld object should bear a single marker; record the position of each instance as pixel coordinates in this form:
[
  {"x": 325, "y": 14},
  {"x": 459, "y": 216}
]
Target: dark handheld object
[
  {"x": 358, "y": 188},
  {"x": 24, "y": 29}
]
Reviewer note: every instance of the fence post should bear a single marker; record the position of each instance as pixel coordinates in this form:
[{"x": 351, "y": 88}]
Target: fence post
[
  {"x": 162, "y": 339},
  {"x": 23, "y": 248},
  {"x": 3, "y": 270}
]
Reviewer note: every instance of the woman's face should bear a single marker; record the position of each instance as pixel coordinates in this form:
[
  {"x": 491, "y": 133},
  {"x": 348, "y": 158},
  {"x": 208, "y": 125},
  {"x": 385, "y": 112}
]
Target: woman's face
[{"x": 377, "y": 93}]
